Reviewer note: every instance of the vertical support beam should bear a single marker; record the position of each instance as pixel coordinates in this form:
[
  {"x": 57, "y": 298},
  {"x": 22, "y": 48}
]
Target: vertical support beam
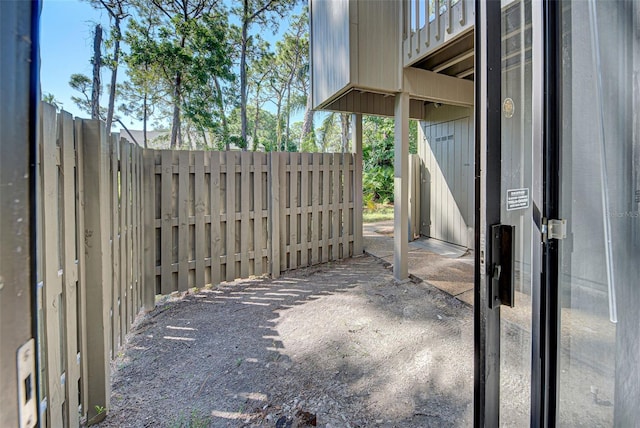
[
  {"x": 357, "y": 184},
  {"x": 98, "y": 266},
  {"x": 487, "y": 207},
  {"x": 400, "y": 188},
  {"x": 18, "y": 125}
]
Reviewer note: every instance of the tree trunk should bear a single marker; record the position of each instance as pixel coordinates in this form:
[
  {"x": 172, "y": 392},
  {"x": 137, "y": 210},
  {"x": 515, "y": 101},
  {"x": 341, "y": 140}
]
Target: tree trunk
[
  {"x": 223, "y": 116},
  {"x": 114, "y": 73},
  {"x": 307, "y": 122},
  {"x": 288, "y": 112},
  {"x": 175, "y": 123},
  {"x": 344, "y": 123},
  {"x": 97, "y": 62},
  {"x": 144, "y": 120},
  {"x": 255, "y": 122},
  {"x": 243, "y": 72},
  {"x": 279, "y": 125}
]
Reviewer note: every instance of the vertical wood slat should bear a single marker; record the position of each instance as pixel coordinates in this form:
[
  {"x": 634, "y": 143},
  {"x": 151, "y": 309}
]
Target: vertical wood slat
[
  {"x": 149, "y": 221},
  {"x": 51, "y": 278},
  {"x": 166, "y": 215},
  {"x": 335, "y": 207},
  {"x": 245, "y": 229},
  {"x": 346, "y": 200},
  {"x": 116, "y": 318},
  {"x": 215, "y": 198},
  {"x": 357, "y": 178},
  {"x": 315, "y": 210},
  {"x": 98, "y": 269},
  {"x": 70, "y": 287},
  {"x": 231, "y": 216},
  {"x": 257, "y": 216},
  {"x": 284, "y": 197},
  {"x": 274, "y": 214},
  {"x": 326, "y": 206},
  {"x": 82, "y": 289},
  {"x": 122, "y": 305},
  {"x": 199, "y": 207},
  {"x": 293, "y": 210},
  {"x": 183, "y": 220},
  {"x": 136, "y": 164},
  {"x": 304, "y": 209}
]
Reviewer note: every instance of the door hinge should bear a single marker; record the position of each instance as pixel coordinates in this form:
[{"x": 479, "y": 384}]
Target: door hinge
[
  {"x": 27, "y": 385},
  {"x": 554, "y": 229}
]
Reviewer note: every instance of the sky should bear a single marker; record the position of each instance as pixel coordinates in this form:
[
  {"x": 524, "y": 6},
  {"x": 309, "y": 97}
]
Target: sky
[{"x": 66, "y": 46}]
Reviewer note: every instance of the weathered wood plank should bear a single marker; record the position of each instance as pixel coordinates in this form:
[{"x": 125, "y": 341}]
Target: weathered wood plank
[
  {"x": 215, "y": 198},
  {"x": 346, "y": 203},
  {"x": 149, "y": 217},
  {"x": 304, "y": 209},
  {"x": 231, "y": 216},
  {"x": 336, "y": 190},
  {"x": 284, "y": 220},
  {"x": 98, "y": 266},
  {"x": 70, "y": 290},
  {"x": 199, "y": 213},
  {"x": 52, "y": 279},
  {"x": 274, "y": 214},
  {"x": 82, "y": 290},
  {"x": 166, "y": 232},
  {"x": 183, "y": 220},
  {"x": 294, "y": 204},
  {"x": 315, "y": 209},
  {"x": 326, "y": 206},
  {"x": 125, "y": 258},
  {"x": 258, "y": 159},
  {"x": 116, "y": 317},
  {"x": 245, "y": 197}
]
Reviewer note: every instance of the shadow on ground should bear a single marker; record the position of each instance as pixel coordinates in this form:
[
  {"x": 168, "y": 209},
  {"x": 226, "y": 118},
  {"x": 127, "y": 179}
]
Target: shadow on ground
[{"x": 340, "y": 341}]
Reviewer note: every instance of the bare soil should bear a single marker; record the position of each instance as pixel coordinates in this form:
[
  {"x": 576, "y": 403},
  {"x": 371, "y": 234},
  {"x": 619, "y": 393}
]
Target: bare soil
[{"x": 336, "y": 345}]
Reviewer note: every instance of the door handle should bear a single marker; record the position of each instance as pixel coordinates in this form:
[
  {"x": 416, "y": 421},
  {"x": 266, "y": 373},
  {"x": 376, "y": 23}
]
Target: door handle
[{"x": 502, "y": 262}]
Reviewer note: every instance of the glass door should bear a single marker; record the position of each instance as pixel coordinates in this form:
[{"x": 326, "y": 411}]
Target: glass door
[
  {"x": 520, "y": 195},
  {"x": 598, "y": 277}
]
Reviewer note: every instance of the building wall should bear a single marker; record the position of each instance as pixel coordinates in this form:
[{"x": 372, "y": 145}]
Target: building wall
[{"x": 446, "y": 150}]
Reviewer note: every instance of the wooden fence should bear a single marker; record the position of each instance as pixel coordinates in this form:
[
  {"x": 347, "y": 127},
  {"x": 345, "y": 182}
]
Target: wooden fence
[
  {"x": 90, "y": 288},
  {"x": 224, "y": 215},
  {"x": 117, "y": 224}
]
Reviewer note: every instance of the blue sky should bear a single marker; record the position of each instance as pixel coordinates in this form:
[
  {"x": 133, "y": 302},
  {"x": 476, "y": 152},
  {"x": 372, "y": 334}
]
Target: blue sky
[{"x": 66, "y": 46}]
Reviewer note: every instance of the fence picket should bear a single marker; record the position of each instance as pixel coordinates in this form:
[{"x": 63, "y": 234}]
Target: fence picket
[
  {"x": 258, "y": 159},
  {"x": 326, "y": 206},
  {"x": 304, "y": 209},
  {"x": 70, "y": 268},
  {"x": 199, "y": 207},
  {"x": 316, "y": 225},
  {"x": 166, "y": 213},
  {"x": 230, "y": 216},
  {"x": 245, "y": 229},
  {"x": 183, "y": 220},
  {"x": 216, "y": 239}
]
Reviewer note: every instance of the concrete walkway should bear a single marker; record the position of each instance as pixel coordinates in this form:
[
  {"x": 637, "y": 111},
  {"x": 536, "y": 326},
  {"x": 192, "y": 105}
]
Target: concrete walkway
[{"x": 443, "y": 265}]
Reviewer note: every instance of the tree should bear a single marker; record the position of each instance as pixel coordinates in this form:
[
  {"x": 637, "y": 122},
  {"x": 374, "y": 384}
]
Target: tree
[
  {"x": 171, "y": 49},
  {"x": 117, "y": 12},
  {"x": 48, "y": 97},
  {"x": 260, "y": 12}
]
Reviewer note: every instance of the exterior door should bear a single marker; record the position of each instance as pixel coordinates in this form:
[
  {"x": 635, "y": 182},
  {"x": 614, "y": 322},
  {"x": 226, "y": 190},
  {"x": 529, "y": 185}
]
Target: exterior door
[
  {"x": 597, "y": 273},
  {"x": 557, "y": 324}
]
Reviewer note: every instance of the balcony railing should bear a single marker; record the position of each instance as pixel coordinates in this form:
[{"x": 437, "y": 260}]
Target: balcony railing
[{"x": 429, "y": 24}]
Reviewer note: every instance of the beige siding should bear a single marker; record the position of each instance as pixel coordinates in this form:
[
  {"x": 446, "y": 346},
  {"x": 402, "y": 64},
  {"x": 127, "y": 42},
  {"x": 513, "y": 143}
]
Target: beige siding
[
  {"x": 446, "y": 153},
  {"x": 330, "y": 51}
]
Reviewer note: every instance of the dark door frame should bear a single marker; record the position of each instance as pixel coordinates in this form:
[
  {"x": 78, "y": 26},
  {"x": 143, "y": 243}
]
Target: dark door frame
[{"x": 19, "y": 86}]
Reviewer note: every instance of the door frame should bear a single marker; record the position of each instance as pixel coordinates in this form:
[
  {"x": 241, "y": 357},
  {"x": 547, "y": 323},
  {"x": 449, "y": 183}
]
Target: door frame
[{"x": 546, "y": 128}]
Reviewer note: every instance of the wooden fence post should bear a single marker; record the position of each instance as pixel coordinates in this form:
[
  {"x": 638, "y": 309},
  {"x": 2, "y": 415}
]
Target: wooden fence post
[{"x": 97, "y": 208}]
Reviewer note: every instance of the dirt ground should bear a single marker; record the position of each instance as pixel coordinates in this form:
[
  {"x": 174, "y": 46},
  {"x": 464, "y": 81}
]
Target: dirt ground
[{"x": 336, "y": 345}]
